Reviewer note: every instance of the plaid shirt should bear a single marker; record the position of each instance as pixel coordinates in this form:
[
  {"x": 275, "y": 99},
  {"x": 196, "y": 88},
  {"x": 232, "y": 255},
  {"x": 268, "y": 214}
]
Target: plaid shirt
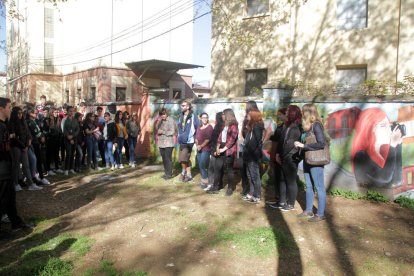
[{"x": 231, "y": 141}]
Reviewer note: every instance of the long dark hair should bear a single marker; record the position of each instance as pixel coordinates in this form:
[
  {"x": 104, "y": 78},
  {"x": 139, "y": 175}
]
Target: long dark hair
[
  {"x": 294, "y": 115},
  {"x": 88, "y": 118},
  {"x": 251, "y": 105},
  {"x": 14, "y": 116},
  {"x": 117, "y": 116}
]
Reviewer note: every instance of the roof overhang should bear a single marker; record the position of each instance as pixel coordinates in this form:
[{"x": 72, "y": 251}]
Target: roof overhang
[{"x": 158, "y": 66}]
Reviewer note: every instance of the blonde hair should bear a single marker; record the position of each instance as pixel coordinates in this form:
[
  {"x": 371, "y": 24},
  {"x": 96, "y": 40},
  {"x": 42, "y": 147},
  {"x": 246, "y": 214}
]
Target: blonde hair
[{"x": 310, "y": 115}]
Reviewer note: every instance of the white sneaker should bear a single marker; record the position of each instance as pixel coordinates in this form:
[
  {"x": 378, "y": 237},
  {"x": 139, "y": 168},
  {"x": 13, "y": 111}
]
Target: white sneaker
[
  {"x": 66, "y": 172},
  {"x": 120, "y": 166},
  {"x": 37, "y": 178},
  {"x": 17, "y": 188},
  {"x": 45, "y": 181},
  {"x": 113, "y": 168},
  {"x": 72, "y": 172},
  {"x": 5, "y": 219},
  {"x": 107, "y": 167},
  {"x": 133, "y": 165},
  {"x": 34, "y": 187},
  {"x": 59, "y": 171},
  {"x": 51, "y": 173}
]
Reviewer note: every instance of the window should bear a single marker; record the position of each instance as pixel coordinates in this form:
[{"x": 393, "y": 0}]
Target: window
[
  {"x": 67, "y": 96},
  {"x": 409, "y": 178},
  {"x": 120, "y": 94},
  {"x": 254, "y": 81},
  {"x": 351, "y": 14},
  {"x": 332, "y": 127},
  {"x": 49, "y": 58},
  {"x": 92, "y": 94},
  {"x": 177, "y": 94},
  {"x": 49, "y": 23},
  {"x": 344, "y": 126},
  {"x": 349, "y": 79},
  {"x": 255, "y": 7},
  {"x": 78, "y": 95}
]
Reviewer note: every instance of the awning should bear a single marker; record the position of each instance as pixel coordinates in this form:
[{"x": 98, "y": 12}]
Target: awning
[{"x": 158, "y": 66}]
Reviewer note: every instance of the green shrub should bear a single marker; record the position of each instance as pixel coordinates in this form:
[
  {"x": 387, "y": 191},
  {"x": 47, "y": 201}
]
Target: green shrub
[
  {"x": 375, "y": 196},
  {"x": 346, "y": 194},
  {"x": 405, "y": 202}
]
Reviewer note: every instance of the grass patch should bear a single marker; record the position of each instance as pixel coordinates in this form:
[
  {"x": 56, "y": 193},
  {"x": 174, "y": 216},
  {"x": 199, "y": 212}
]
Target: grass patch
[
  {"x": 262, "y": 241},
  {"x": 406, "y": 202},
  {"x": 375, "y": 196},
  {"x": 44, "y": 259},
  {"x": 198, "y": 230},
  {"x": 346, "y": 194},
  {"x": 107, "y": 268},
  {"x": 370, "y": 195}
]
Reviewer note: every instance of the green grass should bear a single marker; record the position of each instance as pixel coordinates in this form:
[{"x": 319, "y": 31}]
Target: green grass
[
  {"x": 45, "y": 258},
  {"x": 262, "y": 241},
  {"x": 107, "y": 268},
  {"x": 56, "y": 266},
  {"x": 198, "y": 230},
  {"x": 405, "y": 202},
  {"x": 370, "y": 195}
]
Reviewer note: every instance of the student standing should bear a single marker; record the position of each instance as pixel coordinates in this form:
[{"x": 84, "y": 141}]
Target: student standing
[
  {"x": 187, "y": 126},
  {"x": 165, "y": 129},
  {"x": 287, "y": 158},
  {"x": 203, "y": 136},
  {"x": 314, "y": 175}
]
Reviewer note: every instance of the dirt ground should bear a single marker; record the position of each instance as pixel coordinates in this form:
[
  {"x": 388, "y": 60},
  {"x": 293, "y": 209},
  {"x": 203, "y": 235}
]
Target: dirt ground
[{"x": 140, "y": 222}]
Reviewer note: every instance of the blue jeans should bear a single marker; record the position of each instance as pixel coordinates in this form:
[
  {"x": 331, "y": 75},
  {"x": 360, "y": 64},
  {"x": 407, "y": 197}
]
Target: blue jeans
[
  {"x": 118, "y": 151},
  {"x": 91, "y": 147},
  {"x": 109, "y": 155},
  {"x": 253, "y": 174},
  {"x": 32, "y": 161},
  {"x": 132, "y": 142},
  {"x": 203, "y": 158},
  {"x": 314, "y": 176}
]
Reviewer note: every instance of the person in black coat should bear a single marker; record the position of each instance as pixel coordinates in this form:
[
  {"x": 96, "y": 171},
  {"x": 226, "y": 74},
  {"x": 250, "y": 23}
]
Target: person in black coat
[
  {"x": 110, "y": 135},
  {"x": 287, "y": 157},
  {"x": 252, "y": 154}
]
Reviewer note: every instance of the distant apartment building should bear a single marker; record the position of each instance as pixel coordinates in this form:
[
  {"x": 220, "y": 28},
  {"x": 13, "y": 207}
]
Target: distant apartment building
[
  {"x": 79, "y": 50},
  {"x": 336, "y": 43}
]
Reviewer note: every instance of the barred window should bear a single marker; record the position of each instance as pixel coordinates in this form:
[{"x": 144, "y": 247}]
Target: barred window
[
  {"x": 255, "y": 7},
  {"x": 351, "y": 14}
]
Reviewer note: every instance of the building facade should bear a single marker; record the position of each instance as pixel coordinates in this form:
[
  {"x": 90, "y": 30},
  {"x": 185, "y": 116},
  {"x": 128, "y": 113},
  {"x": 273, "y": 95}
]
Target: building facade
[
  {"x": 76, "y": 51},
  {"x": 332, "y": 43}
]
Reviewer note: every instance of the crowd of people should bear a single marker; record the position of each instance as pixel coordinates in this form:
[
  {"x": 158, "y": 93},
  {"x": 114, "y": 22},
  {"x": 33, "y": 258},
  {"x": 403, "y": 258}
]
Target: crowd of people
[
  {"x": 47, "y": 140},
  {"x": 36, "y": 141},
  {"x": 217, "y": 149}
]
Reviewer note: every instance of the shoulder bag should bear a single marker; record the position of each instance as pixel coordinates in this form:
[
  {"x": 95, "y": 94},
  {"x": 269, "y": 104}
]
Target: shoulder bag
[{"x": 317, "y": 157}]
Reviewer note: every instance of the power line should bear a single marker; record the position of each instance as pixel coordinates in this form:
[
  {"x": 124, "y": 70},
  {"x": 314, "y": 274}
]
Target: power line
[
  {"x": 136, "y": 29},
  {"x": 134, "y": 45}
]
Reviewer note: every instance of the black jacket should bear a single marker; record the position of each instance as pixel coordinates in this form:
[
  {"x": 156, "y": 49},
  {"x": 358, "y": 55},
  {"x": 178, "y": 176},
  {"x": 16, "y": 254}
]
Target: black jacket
[
  {"x": 5, "y": 158},
  {"x": 253, "y": 143},
  {"x": 22, "y": 132},
  {"x": 369, "y": 174},
  {"x": 112, "y": 132},
  {"x": 289, "y": 136}
]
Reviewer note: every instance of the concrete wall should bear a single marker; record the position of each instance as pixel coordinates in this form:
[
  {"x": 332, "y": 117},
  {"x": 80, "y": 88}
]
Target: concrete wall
[{"x": 341, "y": 116}]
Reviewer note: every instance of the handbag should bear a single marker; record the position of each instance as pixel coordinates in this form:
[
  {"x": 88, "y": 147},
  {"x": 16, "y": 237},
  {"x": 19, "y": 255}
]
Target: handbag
[{"x": 316, "y": 157}]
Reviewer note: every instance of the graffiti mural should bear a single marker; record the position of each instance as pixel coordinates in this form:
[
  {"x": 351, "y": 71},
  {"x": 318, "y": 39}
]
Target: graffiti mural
[{"x": 372, "y": 144}]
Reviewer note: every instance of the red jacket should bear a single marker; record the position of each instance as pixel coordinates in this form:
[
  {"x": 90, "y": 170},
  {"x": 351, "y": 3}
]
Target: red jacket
[{"x": 231, "y": 141}]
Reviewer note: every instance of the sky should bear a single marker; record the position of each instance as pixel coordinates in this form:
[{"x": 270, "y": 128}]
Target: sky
[
  {"x": 201, "y": 44},
  {"x": 2, "y": 37}
]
